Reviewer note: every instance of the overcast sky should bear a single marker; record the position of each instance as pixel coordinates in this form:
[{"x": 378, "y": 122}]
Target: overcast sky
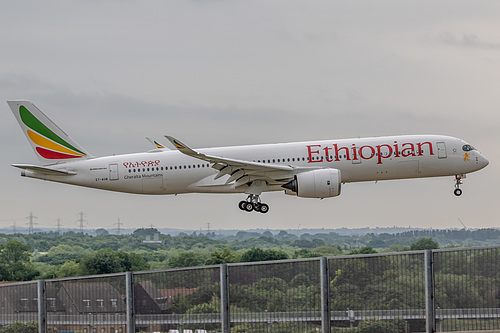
[{"x": 217, "y": 73}]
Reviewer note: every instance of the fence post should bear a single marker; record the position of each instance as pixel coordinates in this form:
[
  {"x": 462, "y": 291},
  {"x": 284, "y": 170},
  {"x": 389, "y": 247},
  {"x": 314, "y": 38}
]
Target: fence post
[
  {"x": 325, "y": 296},
  {"x": 224, "y": 299},
  {"x": 42, "y": 310},
  {"x": 129, "y": 282},
  {"x": 430, "y": 318}
]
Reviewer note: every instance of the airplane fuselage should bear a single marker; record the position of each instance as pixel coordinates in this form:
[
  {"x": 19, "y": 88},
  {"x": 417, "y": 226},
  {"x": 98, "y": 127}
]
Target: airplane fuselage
[{"x": 359, "y": 159}]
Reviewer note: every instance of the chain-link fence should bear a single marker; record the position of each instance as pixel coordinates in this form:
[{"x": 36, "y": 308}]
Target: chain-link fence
[
  {"x": 378, "y": 287},
  {"x": 280, "y": 296},
  {"x": 467, "y": 289},
  {"x": 420, "y": 291}
]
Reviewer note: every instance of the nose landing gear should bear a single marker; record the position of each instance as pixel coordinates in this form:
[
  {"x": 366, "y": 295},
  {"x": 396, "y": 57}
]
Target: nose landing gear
[
  {"x": 253, "y": 204},
  {"x": 458, "y": 182}
]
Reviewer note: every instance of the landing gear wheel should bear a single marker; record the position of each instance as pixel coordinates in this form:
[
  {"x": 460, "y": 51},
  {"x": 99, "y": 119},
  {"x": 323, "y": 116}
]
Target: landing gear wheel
[
  {"x": 253, "y": 203},
  {"x": 264, "y": 208},
  {"x": 248, "y": 206},
  {"x": 242, "y": 205},
  {"x": 458, "y": 182}
]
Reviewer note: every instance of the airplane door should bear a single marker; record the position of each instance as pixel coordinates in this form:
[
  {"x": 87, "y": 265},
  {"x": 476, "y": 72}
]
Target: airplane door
[
  {"x": 441, "y": 146},
  {"x": 358, "y": 159},
  {"x": 113, "y": 172}
]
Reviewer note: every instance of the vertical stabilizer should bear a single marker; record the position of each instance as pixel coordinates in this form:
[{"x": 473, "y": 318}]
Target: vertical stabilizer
[{"x": 50, "y": 143}]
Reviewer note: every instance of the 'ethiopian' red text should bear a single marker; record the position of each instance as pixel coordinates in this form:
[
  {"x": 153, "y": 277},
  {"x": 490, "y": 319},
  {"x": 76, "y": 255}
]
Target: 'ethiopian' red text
[{"x": 319, "y": 153}]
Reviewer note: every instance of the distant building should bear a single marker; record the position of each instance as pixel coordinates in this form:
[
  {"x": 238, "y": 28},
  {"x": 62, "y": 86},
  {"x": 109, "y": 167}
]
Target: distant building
[{"x": 156, "y": 239}]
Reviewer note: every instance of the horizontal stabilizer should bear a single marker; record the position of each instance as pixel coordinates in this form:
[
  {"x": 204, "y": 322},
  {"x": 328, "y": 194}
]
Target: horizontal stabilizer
[{"x": 45, "y": 170}]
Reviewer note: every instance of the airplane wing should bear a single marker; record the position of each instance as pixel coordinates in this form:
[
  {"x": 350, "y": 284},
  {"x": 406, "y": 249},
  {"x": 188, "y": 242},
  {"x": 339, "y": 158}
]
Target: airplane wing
[{"x": 241, "y": 172}]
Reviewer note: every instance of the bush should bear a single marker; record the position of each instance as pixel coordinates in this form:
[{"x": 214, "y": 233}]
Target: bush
[
  {"x": 424, "y": 244},
  {"x": 258, "y": 254},
  {"x": 380, "y": 326},
  {"x": 19, "y": 327}
]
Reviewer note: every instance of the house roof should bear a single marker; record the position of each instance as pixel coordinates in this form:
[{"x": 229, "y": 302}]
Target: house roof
[{"x": 94, "y": 297}]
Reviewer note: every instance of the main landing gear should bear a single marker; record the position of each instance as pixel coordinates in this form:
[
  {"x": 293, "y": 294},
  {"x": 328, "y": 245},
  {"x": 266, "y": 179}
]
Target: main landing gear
[
  {"x": 253, "y": 203},
  {"x": 458, "y": 182}
]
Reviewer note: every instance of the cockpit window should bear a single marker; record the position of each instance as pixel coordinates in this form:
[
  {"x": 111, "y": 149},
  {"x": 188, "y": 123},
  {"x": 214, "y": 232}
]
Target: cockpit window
[{"x": 467, "y": 148}]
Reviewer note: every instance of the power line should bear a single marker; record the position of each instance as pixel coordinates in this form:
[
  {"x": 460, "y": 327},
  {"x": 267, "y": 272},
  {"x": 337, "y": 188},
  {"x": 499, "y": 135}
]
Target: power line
[
  {"x": 118, "y": 224},
  {"x": 31, "y": 223},
  {"x": 58, "y": 226},
  {"x": 81, "y": 221}
]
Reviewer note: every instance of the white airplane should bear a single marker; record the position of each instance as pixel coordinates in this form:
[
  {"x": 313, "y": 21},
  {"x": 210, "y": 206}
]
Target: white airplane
[{"x": 313, "y": 169}]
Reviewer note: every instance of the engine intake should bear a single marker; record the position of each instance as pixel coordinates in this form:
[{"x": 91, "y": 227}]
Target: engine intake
[{"x": 321, "y": 183}]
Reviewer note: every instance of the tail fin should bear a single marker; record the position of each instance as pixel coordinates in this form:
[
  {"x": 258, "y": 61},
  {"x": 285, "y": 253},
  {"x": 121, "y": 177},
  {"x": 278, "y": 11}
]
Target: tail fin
[{"x": 50, "y": 143}]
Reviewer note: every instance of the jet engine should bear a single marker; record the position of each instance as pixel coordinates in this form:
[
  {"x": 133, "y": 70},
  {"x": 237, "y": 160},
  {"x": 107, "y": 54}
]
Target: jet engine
[{"x": 320, "y": 183}]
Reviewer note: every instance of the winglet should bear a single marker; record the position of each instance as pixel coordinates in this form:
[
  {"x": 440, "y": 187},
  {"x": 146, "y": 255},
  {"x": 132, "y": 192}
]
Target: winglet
[
  {"x": 156, "y": 144},
  {"x": 181, "y": 146}
]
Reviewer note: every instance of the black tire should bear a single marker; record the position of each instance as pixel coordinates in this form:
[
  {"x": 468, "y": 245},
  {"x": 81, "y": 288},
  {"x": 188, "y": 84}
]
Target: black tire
[
  {"x": 248, "y": 206},
  {"x": 242, "y": 204},
  {"x": 264, "y": 208},
  {"x": 256, "y": 206},
  {"x": 458, "y": 192}
]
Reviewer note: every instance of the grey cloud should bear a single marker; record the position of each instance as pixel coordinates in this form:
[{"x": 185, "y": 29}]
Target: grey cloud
[{"x": 467, "y": 40}]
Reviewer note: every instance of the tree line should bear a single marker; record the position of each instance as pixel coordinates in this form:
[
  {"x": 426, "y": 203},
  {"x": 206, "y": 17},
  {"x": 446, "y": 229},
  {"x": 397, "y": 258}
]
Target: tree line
[{"x": 52, "y": 255}]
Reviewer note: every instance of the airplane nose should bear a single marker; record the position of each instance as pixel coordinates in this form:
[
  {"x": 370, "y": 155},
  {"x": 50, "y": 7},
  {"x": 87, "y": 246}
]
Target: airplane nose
[{"x": 483, "y": 161}]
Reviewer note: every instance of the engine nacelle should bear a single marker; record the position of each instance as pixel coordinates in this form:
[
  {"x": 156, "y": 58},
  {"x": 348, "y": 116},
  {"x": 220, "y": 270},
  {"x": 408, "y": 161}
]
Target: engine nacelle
[{"x": 321, "y": 183}]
